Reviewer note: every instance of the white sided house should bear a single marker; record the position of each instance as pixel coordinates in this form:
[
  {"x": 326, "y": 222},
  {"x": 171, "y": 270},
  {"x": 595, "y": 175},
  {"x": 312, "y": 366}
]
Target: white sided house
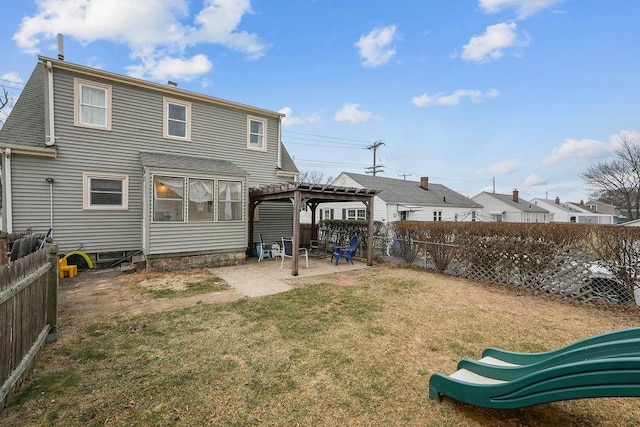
[
  {"x": 119, "y": 166},
  {"x": 569, "y": 212},
  {"x": 509, "y": 208},
  {"x": 399, "y": 199}
]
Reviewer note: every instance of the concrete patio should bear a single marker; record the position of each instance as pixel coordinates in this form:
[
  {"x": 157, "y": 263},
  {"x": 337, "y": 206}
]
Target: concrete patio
[{"x": 254, "y": 279}]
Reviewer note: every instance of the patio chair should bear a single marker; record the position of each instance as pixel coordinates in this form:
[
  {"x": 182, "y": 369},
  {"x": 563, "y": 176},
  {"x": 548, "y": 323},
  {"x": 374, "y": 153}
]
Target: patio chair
[
  {"x": 287, "y": 251},
  {"x": 345, "y": 252},
  {"x": 262, "y": 249}
]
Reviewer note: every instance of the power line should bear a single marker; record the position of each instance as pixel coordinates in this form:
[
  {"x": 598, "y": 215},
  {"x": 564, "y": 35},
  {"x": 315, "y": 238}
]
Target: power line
[{"x": 327, "y": 137}]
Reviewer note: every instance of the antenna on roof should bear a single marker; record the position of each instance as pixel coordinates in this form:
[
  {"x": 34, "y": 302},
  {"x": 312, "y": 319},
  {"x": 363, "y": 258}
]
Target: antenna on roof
[
  {"x": 60, "y": 47},
  {"x": 404, "y": 175}
]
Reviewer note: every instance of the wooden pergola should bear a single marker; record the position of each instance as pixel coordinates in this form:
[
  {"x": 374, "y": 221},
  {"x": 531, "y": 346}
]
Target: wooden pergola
[{"x": 312, "y": 195}]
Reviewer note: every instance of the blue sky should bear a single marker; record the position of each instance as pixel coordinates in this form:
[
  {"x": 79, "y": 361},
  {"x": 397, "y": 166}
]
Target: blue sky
[{"x": 526, "y": 92}]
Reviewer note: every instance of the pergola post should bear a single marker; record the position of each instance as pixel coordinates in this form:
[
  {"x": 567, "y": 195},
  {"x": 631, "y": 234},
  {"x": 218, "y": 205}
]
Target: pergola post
[
  {"x": 297, "y": 205},
  {"x": 370, "y": 236}
]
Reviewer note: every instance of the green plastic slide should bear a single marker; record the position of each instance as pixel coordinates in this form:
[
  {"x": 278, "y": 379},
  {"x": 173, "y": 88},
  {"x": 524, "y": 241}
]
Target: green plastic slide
[{"x": 606, "y": 365}]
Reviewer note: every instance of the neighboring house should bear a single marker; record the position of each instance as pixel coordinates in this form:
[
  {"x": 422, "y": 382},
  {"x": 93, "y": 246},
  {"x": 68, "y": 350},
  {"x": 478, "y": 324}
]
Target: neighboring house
[
  {"x": 604, "y": 208},
  {"x": 120, "y": 166},
  {"x": 399, "y": 199},
  {"x": 569, "y": 212},
  {"x": 589, "y": 216},
  {"x": 509, "y": 208}
]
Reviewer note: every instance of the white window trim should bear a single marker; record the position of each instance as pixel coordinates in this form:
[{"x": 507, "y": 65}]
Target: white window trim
[
  {"x": 356, "y": 214},
  {"x": 86, "y": 192},
  {"x": 264, "y": 133},
  {"x": 165, "y": 118},
  {"x": 77, "y": 83}
]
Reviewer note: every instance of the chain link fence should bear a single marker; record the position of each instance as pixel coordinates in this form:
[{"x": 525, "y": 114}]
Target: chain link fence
[{"x": 539, "y": 267}]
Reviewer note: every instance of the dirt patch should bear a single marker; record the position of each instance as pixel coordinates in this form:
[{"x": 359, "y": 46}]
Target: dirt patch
[{"x": 99, "y": 295}]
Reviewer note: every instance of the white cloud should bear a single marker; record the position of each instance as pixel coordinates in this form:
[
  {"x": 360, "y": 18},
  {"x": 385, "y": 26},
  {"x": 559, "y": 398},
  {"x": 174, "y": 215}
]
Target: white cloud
[
  {"x": 10, "y": 78},
  {"x": 492, "y": 44},
  {"x": 166, "y": 68},
  {"x": 476, "y": 96},
  {"x": 504, "y": 167},
  {"x": 582, "y": 150},
  {"x": 155, "y": 31},
  {"x": 524, "y": 8},
  {"x": 290, "y": 120},
  {"x": 376, "y": 47},
  {"x": 534, "y": 180},
  {"x": 352, "y": 113}
]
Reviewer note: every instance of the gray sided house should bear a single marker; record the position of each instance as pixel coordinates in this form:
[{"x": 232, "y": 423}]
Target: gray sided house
[
  {"x": 510, "y": 208},
  {"x": 399, "y": 199},
  {"x": 119, "y": 166}
]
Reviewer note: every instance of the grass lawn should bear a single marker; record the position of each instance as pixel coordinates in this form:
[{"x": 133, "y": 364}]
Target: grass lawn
[{"x": 353, "y": 352}]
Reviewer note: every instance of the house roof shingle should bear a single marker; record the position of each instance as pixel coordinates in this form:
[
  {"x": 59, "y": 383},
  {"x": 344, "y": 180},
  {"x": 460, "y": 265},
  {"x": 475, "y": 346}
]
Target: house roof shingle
[
  {"x": 398, "y": 191},
  {"x": 204, "y": 164},
  {"x": 521, "y": 205},
  {"x": 28, "y": 109}
]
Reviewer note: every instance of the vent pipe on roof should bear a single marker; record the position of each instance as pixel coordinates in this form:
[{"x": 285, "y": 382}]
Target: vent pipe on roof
[{"x": 60, "y": 47}]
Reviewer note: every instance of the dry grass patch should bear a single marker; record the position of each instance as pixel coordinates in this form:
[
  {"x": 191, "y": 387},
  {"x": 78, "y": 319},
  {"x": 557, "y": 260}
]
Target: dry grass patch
[
  {"x": 177, "y": 284},
  {"x": 321, "y": 354}
]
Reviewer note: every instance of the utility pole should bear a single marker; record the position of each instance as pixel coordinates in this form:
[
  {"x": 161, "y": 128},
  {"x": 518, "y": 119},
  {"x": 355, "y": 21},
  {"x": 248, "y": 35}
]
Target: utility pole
[
  {"x": 375, "y": 168},
  {"x": 404, "y": 176}
]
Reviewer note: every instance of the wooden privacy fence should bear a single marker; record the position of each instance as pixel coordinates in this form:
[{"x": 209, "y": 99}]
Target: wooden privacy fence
[{"x": 28, "y": 314}]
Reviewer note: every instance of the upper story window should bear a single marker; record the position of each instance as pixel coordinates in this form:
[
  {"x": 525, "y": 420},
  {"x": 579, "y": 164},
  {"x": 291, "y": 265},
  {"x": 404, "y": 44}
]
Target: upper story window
[
  {"x": 177, "y": 119},
  {"x": 256, "y": 134},
  {"x": 102, "y": 191},
  {"x": 92, "y": 104}
]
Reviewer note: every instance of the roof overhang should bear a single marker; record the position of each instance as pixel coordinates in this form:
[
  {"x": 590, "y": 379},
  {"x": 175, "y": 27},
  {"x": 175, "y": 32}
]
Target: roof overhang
[{"x": 29, "y": 151}]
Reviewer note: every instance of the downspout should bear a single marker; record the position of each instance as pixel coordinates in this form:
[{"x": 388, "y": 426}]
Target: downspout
[
  {"x": 50, "y": 139},
  {"x": 50, "y": 182},
  {"x": 8, "y": 210},
  {"x": 279, "y": 162}
]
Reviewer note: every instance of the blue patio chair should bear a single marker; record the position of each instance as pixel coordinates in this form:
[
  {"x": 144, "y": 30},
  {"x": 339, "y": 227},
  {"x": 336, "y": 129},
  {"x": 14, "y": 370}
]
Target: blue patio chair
[
  {"x": 262, "y": 250},
  {"x": 345, "y": 252}
]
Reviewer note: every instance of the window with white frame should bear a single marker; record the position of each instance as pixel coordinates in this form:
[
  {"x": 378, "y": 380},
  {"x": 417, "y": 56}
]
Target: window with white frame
[
  {"x": 105, "y": 191},
  {"x": 437, "y": 215},
  {"x": 256, "y": 134},
  {"x": 326, "y": 214},
  {"x": 168, "y": 198},
  {"x": 92, "y": 104},
  {"x": 200, "y": 206},
  {"x": 229, "y": 200},
  {"x": 177, "y": 119},
  {"x": 356, "y": 214}
]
